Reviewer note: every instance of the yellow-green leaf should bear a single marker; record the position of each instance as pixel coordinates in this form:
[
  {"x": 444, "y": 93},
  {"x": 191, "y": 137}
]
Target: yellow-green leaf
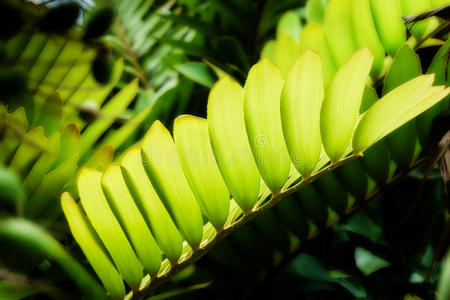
[
  {"x": 130, "y": 218},
  {"x": 162, "y": 163},
  {"x": 16, "y": 126},
  {"x": 230, "y": 143},
  {"x": 49, "y": 188},
  {"x": 107, "y": 227},
  {"x": 50, "y": 114},
  {"x": 43, "y": 164},
  {"x": 313, "y": 36},
  {"x": 290, "y": 24},
  {"x": 396, "y": 108},
  {"x": 338, "y": 30},
  {"x": 200, "y": 167},
  {"x": 286, "y": 51},
  {"x": 70, "y": 143},
  {"x": 101, "y": 158},
  {"x": 387, "y": 15},
  {"x": 146, "y": 198},
  {"x": 92, "y": 247},
  {"x": 31, "y": 146},
  {"x": 340, "y": 108},
  {"x": 365, "y": 32},
  {"x": 262, "y": 93},
  {"x": 301, "y": 101},
  {"x": 401, "y": 142}
]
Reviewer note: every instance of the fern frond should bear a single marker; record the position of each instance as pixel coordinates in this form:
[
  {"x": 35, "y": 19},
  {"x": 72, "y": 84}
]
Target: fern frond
[{"x": 241, "y": 141}]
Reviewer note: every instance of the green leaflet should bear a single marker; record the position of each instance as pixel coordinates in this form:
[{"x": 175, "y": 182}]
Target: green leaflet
[
  {"x": 337, "y": 26},
  {"x": 439, "y": 66},
  {"x": 31, "y": 146},
  {"x": 334, "y": 193},
  {"x": 401, "y": 142},
  {"x": 43, "y": 164},
  {"x": 70, "y": 143},
  {"x": 300, "y": 105},
  {"x": 286, "y": 51},
  {"x": 112, "y": 109},
  {"x": 30, "y": 54},
  {"x": 72, "y": 50},
  {"x": 406, "y": 66},
  {"x": 376, "y": 159},
  {"x": 230, "y": 143},
  {"x": 107, "y": 227},
  {"x": 17, "y": 125},
  {"x": 198, "y": 161},
  {"x": 396, "y": 108},
  {"x": 50, "y": 114},
  {"x": 97, "y": 92},
  {"x": 13, "y": 193},
  {"x": 101, "y": 158},
  {"x": 45, "y": 59},
  {"x": 154, "y": 212},
  {"x": 198, "y": 72},
  {"x": 130, "y": 218},
  {"x": 313, "y": 36},
  {"x": 314, "y": 11},
  {"x": 368, "y": 262},
  {"x": 162, "y": 162},
  {"x": 76, "y": 76},
  {"x": 365, "y": 33},
  {"x": 290, "y": 24},
  {"x": 50, "y": 187},
  {"x": 92, "y": 247},
  {"x": 387, "y": 15},
  {"x": 340, "y": 108},
  {"x": 268, "y": 50},
  {"x": 117, "y": 138},
  {"x": 315, "y": 207},
  {"x": 262, "y": 93}
]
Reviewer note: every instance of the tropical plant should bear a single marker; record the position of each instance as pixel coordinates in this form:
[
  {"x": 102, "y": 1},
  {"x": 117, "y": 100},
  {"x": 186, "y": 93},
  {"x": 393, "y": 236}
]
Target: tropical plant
[
  {"x": 229, "y": 153},
  {"x": 307, "y": 132}
]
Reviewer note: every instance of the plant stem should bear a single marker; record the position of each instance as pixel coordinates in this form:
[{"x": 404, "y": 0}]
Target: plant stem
[
  {"x": 197, "y": 254},
  {"x": 132, "y": 57}
]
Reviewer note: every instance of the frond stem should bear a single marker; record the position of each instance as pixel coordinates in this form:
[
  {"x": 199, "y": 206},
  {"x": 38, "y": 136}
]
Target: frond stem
[{"x": 202, "y": 250}]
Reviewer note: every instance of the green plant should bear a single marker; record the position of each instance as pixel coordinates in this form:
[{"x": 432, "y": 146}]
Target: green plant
[
  {"x": 167, "y": 202},
  {"x": 226, "y": 124}
]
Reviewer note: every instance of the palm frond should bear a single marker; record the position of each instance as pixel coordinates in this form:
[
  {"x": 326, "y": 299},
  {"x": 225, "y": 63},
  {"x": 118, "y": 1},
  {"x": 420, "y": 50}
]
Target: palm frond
[{"x": 231, "y": 151}]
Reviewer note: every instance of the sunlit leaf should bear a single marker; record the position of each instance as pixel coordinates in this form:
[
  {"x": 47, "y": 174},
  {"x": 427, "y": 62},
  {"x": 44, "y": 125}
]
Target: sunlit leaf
[
  {"x": 395, "y": 109},
  {"x": 107, "y": 227},
  {"x": 192, "y": 140},
  {"x": 146, "y": 198},
  {"x": 92, "y": 247},
  {"x": 341, "y": 105},
  {"x": 262, "y": 93},
  {"x": 286, "y": 52},
  {"x": 230, "y": 143},
  {"x": 301, "y": 101},
  {"x": 161, "y": 162},
  {"x": 337, "y": 26},
  {"x": 313, "y": 36},
  {"x": 130, "y": 218}
]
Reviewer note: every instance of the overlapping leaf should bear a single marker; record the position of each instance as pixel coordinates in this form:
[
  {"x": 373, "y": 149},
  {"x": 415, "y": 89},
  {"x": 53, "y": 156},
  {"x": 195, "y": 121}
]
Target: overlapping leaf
[{"x": 244, "y": 128}]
